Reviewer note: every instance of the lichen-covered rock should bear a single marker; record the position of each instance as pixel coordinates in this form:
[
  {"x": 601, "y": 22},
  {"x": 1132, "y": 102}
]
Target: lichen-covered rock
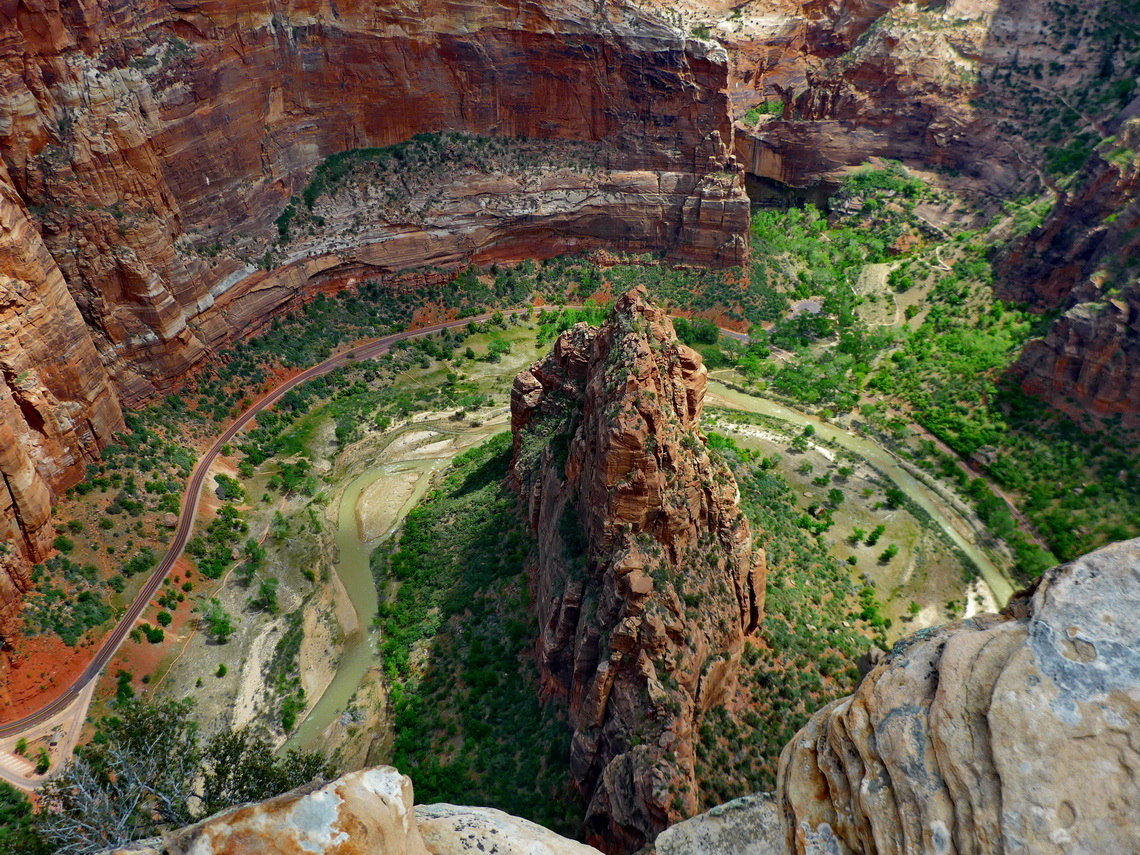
[
  {"x": 369, "y": 812},
  {"x": 451, "y": 830},
  {"x": 1011, "y": 733},
  {"x": 746, "y": 826},
  {"x": 647, "y": 582}
]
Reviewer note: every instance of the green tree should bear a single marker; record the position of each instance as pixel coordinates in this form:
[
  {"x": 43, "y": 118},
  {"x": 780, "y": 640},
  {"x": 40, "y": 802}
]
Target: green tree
[
  {"x": 266, "y": 599},
  {"x": 18, "y": 832},
  {"x": 896, "y": 498},
  {"x": 147, "y": 771},
  {"x": 240, "y": 766},
  {"x": 217, "y": 623}
]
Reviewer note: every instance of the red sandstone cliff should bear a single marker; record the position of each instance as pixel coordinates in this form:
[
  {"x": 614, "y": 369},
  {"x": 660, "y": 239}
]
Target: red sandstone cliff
[
  {"x": 1077, "y": 260},
  {"x": 143, "y": 138},
  {"x": 145, "y": 153},
  {"x": 57, "y": 407},
  {"x": 647, "y": 582}
]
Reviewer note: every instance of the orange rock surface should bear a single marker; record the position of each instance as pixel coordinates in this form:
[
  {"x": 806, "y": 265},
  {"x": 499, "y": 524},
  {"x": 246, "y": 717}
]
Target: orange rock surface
[
  {"x": 145, "y": 156},
  {"x": 647, "y": 581}
]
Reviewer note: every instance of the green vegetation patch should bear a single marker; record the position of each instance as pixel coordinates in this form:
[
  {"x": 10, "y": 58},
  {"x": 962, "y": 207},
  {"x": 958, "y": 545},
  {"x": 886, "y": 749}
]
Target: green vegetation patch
[
  {"x": 68, "y": 600},
  {"x": 457, "y": 637},
  {"x": 816, "y": 626}
]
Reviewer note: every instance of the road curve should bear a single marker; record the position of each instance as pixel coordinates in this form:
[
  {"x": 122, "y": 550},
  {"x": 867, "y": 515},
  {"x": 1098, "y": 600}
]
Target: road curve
[
  {"x": 191, "y": 496},
  {"x": 114, "y": 640}
]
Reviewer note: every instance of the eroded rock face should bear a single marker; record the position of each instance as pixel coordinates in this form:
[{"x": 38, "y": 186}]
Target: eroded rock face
[
  {"x": 145, "y": 157},
  {"x": 1004, "y": 733},
  {"x": 57, "y": 407},
  {"x": 647, "y": 582},
  {"x": 875, "y": 79},
  {"x": 1090, "y": 357},
  {"x": 146, "y": 139},
  {"x": 369, "y": 812}
]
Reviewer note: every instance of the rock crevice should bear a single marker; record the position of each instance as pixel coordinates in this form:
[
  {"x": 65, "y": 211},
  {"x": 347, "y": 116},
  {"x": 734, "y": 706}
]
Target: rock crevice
[{"x": 1002, "y": 733}]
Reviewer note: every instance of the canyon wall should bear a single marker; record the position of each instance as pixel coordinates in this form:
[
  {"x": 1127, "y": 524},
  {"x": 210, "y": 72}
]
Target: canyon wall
[
  {"x": 1080, "y": 259},
  {"x": 885, "y": 79},
  {"x": 980, "y": 736},
  {"x": 147, "y": 151},
  {"x": 646, "y": 581},
  {"x": 57, "y": 406},
  {"x": 156, "y": 146}
]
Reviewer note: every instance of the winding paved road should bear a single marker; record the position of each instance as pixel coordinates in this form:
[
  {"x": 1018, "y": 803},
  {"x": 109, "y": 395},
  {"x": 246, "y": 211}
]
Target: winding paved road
[
  {"x": 115, "y": 638},
  {"x": 83, "y": 687}
]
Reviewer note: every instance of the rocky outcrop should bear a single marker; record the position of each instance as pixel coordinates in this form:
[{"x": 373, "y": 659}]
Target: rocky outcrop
[
  {"x": 369, "y": 812},
  {"x": 979, "y": 736},
  {"x": 1089, "y": 360},
  {"x": 450, "y": 830},
  {"x": 1090, "y": 357},
  {"x": 749, "y": 825},
  {"x": 647, "y": 582}
]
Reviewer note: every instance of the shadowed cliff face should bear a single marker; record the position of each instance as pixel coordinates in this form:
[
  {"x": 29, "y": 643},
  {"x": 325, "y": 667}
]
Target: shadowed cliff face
[
  {"x": 1080, "y": 259},
  {"x": 57, "y": 407},
  {"x": 647, "y": 582}
]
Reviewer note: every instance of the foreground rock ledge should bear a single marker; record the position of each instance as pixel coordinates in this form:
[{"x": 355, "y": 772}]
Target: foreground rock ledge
[
  {"x": 1017, "y": 732},
  {"x": 369, "y": 812}
]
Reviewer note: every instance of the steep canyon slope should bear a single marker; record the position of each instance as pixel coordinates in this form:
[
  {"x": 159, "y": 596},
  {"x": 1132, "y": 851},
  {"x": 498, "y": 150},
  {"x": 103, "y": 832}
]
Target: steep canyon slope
[
  {"x": 148, "y": 154},
  {"x": 981, "y": 736},
  {"x": 647, "y": 581}
]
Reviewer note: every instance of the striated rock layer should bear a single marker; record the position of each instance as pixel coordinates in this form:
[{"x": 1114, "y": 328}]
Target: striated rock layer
[
  {"x": 647, "y": 582},
  {"x": 147, "y": 152},
  {"x": 1078, "y": 259},
  {"x": 1003, "y": 733},
  {"x": 144, "y": 138}
]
